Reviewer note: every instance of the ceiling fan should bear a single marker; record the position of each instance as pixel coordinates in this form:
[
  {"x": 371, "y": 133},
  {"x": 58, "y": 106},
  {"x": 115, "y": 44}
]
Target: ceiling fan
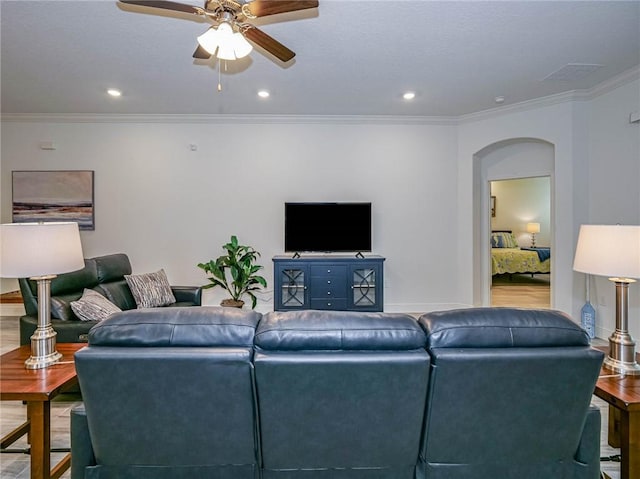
[{"x": 231, "y": 20}]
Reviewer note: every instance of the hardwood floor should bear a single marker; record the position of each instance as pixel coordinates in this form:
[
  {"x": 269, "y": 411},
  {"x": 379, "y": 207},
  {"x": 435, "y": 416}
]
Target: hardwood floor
[
  {"x": 13, "y": 413},
  {"x": 521, "y": 290}
]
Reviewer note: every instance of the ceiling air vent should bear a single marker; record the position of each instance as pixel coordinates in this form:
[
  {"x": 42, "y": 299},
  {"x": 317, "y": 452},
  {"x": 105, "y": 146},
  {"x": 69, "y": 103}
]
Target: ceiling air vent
[{"x": 573, "y": 71}]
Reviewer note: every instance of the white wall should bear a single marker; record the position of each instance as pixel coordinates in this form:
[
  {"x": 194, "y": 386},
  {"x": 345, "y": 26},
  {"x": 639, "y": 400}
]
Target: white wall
[
  {"x": 614, "y": 190},
  {"x": 169, "y": 207}
]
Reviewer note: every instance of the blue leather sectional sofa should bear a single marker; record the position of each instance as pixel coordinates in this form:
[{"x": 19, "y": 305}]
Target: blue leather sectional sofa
[{"x": 229, "y": 394}]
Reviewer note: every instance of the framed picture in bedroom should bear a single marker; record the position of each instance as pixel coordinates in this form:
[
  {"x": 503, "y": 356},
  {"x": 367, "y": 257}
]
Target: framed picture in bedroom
[
  {"x": 493, "y": 206},
  {"x": 53, "y": 196}
]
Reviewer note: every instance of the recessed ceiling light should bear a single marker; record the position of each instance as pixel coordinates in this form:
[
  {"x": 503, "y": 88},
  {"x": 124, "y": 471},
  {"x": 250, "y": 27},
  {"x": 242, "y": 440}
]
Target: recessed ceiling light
[
  {"x": 113, "y": 92},
  {"x": 499, "y": 99},
  {"x": 263, "y": 94},
  {"x": 409, "y": 95}
]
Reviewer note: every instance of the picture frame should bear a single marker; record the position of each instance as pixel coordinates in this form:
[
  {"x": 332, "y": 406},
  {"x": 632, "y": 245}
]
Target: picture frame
[
  {"x": 54, "y": 196},
  {"x": 493, "y": 206}
]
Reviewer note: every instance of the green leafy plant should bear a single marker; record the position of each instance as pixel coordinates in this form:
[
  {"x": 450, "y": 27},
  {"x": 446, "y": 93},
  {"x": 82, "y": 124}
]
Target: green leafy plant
[{"x": 236, "y": 271}]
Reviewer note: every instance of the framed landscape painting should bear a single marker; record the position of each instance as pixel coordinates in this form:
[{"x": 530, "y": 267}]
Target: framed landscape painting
[{"x": 54, "y": 196}]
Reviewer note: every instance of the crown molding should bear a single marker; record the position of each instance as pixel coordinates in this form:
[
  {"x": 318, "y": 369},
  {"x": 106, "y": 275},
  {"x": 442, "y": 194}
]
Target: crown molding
[
  {"x": 615, "y": 82},
  {"x": 573, "y": 95},
  {"x": 523, "y": 106}
]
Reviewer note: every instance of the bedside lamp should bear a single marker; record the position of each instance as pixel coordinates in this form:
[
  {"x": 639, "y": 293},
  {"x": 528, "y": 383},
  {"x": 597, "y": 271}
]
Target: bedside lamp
[
  {"x": 533, "y": 228},
  {"x": 613, "y": 251},
  {"x": 40, "y": 251}
]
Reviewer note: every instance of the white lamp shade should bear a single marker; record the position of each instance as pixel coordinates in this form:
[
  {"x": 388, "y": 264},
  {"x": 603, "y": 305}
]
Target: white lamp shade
[
  {"x": 608, "y": 250},
  {"x": 39, "y": 249},
  {"x": 533, "y": 227}
]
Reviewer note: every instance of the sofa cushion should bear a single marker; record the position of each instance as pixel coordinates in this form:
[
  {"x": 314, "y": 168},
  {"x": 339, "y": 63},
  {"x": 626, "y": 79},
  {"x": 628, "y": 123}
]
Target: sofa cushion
[
  {"x": 118, "y": 293},
  {"x": 61, "y": 306},
  {"x": 338, "y": 330},
  {"x": 188, "y": 326},
  {"x": 501, "y": 328},
  {"x": 75, "y": 281},
  {"x": 92, "y": 306},
  {"x": 150, "y": 290},
  {"x": 112, "y": 267}
]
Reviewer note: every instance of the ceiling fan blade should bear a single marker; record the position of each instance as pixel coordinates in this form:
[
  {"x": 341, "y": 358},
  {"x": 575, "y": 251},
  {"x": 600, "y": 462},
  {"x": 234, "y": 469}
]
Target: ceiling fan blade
[
  {"x": 175, "y": 6},
  {"x": 270, "y": 44},
  {"x": 201, "y": 53},
  {"x": 262, "y": 8}
]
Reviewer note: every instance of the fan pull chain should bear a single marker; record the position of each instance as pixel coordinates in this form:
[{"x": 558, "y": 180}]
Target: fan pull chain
[{"x": 219, "y": 81}]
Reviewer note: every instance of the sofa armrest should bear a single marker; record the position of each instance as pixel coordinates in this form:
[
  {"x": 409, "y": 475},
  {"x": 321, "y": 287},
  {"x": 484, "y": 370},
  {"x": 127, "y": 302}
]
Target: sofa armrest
[
  {"x": 588, "y": 452},
  {"x": 81, "y": 450},
  {"x": 74, "y": 331},
  {"x": 188, "y": 294}
]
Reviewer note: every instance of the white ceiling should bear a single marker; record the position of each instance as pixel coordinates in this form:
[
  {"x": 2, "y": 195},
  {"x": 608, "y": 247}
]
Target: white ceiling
[{"x": 353, "y": 57}]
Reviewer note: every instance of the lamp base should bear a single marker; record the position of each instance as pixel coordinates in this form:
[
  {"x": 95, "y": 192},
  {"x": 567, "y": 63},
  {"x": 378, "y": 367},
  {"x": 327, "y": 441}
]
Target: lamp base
[
  {"x": 43, "y": 349},
  {"x": 622, "y": 355}
]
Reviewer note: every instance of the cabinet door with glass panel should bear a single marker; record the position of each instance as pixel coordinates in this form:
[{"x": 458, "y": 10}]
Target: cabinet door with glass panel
[
  {"x": 291, "y": 286},
  {"x": 366, "y": 286}
]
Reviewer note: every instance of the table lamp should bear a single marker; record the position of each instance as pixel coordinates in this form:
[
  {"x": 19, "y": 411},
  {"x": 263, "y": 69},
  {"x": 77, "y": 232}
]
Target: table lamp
[
  {"x": 40, "y": 251},
  {"x": 533, "y": 228},
  {"x": 613, "y": 251}
]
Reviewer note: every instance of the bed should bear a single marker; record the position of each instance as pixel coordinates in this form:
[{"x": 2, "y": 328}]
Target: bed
[{"x": 508, "y": 258}]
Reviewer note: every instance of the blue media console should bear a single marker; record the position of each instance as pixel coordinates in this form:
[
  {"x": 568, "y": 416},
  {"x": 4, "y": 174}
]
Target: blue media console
[{"x": 345, "y": 283}]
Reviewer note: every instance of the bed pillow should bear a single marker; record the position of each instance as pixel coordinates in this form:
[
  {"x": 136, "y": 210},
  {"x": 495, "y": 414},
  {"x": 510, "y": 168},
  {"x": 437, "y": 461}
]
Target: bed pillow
[
  {"x": 150, "y": 290},
  {"x": 503, "y": 240},
  {"x": 92, "y": 306}
]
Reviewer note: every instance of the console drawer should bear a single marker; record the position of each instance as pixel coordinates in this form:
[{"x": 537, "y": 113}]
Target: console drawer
[
  {"x": 328, "y": 287},
  {"x": 335, "y": 304},
  {"x": 328, "y": 271}
]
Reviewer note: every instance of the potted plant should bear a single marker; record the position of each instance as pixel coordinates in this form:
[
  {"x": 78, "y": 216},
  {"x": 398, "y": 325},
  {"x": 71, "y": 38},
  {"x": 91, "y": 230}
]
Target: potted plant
[{"x": 235, "y": 271}]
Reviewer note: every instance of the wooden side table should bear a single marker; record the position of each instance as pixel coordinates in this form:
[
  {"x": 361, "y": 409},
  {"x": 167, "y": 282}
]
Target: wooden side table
[
  {"x": 622, "y": 393},
  {"x": 37, "y": 387}
]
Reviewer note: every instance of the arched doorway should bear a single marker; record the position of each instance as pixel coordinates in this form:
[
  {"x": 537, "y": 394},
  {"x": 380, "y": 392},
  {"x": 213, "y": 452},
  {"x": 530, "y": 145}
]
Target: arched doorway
[{"x": 504, "y": 160}]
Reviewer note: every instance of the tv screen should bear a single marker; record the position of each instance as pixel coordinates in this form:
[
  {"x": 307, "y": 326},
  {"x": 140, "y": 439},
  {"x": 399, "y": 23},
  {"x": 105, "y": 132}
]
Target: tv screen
[{"x": 327, "y": 227}]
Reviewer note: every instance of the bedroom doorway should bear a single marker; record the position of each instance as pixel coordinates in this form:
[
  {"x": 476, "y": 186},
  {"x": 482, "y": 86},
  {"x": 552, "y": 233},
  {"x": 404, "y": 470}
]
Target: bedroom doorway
[{"x": 521, "y": 232}]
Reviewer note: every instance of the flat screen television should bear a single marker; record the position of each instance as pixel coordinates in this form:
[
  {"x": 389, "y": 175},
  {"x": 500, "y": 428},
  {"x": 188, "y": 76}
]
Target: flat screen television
[{"x": 327, "y": 227}]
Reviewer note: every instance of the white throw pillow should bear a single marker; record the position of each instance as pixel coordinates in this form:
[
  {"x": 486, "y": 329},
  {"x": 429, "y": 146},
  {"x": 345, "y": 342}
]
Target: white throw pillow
[
  {"x": 92, "y": 306},
  {"x": 150, "y": 290}
]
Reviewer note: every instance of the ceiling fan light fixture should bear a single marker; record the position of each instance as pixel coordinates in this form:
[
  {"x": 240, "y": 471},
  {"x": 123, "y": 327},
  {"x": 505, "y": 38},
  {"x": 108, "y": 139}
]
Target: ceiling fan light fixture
[
  {"x": 225, "y": 30},
  {"x": 229, "y": 44},
  {"x": 225, "y": 52},
  {"x": 241, "y": 46},
  {"x": 233, "y": 18},
  {"x": 210, "y": 40}
]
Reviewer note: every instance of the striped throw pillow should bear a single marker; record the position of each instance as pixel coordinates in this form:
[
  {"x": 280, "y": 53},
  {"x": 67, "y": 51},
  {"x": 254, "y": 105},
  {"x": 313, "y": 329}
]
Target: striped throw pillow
[
  {"x": 92, "y": 306},
  {"x": 150, "y": 290}
]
